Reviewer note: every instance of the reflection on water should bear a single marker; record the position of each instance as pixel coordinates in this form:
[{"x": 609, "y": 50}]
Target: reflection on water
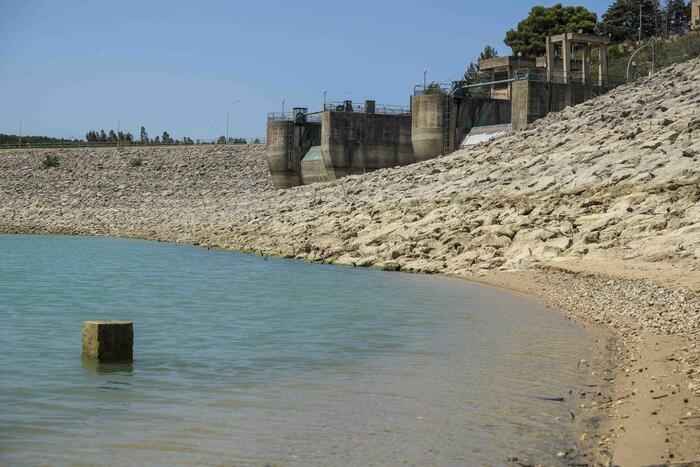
[
  {"x": 240, "y": 360},
  {"x": 107, "y": 368}
]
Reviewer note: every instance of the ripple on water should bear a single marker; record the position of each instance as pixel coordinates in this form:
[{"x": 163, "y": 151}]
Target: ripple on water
[{"x": 243, "y": 360}]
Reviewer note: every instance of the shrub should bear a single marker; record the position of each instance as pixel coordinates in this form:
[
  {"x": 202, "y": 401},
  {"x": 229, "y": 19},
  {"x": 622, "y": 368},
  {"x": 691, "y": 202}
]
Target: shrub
[
  {"x": 135, "y": 162},
  {"x": 50, "y": 160}
]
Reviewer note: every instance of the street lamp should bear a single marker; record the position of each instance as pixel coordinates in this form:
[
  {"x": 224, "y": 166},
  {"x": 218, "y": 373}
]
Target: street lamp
[
  {"x": 119, "y": 122},
  {"x": 227, "y": 115},
  {"x": 425, "y": 78},
  {"x": 20, "y": 125},
  {"x": 630, "y": 62},
  {"x": 324, "y": 98}
]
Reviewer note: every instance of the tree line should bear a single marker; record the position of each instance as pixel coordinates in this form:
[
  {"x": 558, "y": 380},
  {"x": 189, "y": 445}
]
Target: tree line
[
  {"x": 94, "y": 136},
  {"x": 621, "y": 22}
]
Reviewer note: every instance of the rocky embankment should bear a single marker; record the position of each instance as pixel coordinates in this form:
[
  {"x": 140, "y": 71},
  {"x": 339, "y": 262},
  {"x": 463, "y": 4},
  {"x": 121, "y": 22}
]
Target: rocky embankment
[{"x": 612, "y": 182}]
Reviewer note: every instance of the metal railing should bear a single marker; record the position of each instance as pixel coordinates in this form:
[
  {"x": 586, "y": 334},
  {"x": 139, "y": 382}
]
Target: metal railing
[
  {"x": 290, "y": 116},
  {"x": 434, "y": 88},
  {"x": 280, "y": 116},
  {"x": 361, "y": 108},
  {"x": 574, "y": 77}
]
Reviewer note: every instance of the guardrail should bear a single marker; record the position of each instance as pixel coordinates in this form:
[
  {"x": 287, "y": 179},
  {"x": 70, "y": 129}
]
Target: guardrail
[
  {"x": 290, "y": 117},
  {"x": 348, "y": 106},
  {"x": 280, "y": 116},
  {"x": 574, "y": 77},
  {"x": 433, "y": 88}
]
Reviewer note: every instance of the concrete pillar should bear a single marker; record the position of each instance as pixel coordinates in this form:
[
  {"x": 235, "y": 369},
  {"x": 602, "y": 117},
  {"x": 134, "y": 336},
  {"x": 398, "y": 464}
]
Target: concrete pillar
[
  {"x": 550, "y": 58},
  {"x": 586, "y": 70},
  {"x": 108, "y": 341},
  {"x": 566, "y": 58},
  {"x": 603, "y": 66}
]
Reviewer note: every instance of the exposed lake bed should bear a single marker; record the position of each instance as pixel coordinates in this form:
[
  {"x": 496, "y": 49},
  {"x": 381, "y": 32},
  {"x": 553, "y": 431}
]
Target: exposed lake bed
[{"x": 247, "y": 360}]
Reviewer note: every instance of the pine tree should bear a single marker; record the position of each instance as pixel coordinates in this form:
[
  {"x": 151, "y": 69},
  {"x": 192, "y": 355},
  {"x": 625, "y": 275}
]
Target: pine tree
[
  {"x": 621, "y": 20},
  {"x": 473, "y": 75},
  {"x": 103, "y": 136},
  {"x": 531, "y": 33},
  {"x": 677, "y": 15},
  {"x": 144, "y": 136},
  {"x": 112, "y": 136}
]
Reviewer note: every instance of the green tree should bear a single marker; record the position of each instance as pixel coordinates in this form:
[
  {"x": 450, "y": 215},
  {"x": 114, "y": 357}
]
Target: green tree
[
  {"x": 103, "y": 137},
  {"x": 166, "y": 138},
  {"x": 156, "y": 140},
  {"x": 144, "y": 136},
  {"x": 530, "y": 36},
  {"x": 621, "y": 20},
  {"x": 221, "y": 140},
  {"x": 112, "y": 136},
  {"x": 473, "y": 75},
  {"x": 677, "y": 15}
]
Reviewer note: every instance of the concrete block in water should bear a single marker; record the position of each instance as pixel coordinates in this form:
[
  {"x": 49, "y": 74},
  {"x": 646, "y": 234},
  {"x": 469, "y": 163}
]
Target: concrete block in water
[{"x": 108, "y": 340}]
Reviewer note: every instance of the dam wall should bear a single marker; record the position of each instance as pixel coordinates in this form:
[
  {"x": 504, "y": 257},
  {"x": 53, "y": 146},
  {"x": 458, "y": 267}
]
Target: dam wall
[
  {"x": 440, "y": 122},
  {"x": 358, "y": 142},
  {"x": 287, "y": 143},
  {"x": 533, "y": 100}
]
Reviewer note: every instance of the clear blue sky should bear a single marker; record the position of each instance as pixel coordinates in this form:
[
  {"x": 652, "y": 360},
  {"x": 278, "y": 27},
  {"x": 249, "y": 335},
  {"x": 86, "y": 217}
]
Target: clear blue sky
[{"x": 181, "y": 63}]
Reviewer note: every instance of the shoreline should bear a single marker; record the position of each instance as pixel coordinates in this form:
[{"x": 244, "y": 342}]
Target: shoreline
[
  {"x": 649, "y": 421},
  {"x": 594, "y": 210}
]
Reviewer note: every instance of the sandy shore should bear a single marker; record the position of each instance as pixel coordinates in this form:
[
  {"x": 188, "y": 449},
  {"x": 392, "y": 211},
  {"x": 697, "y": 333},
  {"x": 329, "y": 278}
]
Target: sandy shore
[{"x": 593, "y": 211}]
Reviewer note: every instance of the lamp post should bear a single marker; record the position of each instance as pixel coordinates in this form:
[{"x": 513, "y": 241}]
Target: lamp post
[
  {"x": 227, "y": 115},
  {"x": 119, "y": 122},
  {"x": 20, "y": 125},
  {"x": 425, "y": 78},
  {"x": 324, "y": 99},
  {"x": 653, "y": 64}
]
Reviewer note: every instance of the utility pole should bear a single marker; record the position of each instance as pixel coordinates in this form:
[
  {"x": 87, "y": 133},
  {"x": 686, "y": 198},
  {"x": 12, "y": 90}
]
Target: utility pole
[
  {"x": 227, "y": 115},
  {"x": 20, "y": 125},
  {"x": 119, "y": 122},
  {"x": 324, "y": 99},
  {"x": 425, "y": 78}
]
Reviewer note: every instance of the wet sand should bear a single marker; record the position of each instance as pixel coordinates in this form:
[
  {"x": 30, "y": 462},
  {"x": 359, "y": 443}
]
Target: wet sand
[{"x": 647, "y": 408}]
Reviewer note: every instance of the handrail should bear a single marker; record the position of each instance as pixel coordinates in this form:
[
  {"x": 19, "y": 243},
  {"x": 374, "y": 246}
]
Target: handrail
[{"x": 361, "y": 108}]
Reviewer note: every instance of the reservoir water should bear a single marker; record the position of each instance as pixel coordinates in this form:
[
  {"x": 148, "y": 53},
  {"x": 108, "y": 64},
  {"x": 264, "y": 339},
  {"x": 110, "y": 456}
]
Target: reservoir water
[{"x": 241, "y": 360}]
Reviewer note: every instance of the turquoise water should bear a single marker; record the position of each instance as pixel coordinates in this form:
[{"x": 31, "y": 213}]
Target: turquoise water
[{"x": 242, "y": 360}]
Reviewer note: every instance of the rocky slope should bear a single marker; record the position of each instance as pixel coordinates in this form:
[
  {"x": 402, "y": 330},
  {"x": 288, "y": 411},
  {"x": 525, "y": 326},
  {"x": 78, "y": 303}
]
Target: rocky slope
[
  {"x": 612, "y": 181},
  {"x": 616, "y": 176}
]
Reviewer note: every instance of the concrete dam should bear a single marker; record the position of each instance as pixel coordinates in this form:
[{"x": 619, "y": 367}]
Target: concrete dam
[{"x": 348, "y": 139}]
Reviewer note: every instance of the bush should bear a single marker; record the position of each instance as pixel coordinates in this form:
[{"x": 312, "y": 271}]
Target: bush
[
  {"x": 135, "y": 162},
  {"x": 49, "y": 161}
]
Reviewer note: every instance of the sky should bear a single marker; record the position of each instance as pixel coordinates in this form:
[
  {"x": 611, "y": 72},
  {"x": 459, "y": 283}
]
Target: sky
[{"x": 181, "y": 64}]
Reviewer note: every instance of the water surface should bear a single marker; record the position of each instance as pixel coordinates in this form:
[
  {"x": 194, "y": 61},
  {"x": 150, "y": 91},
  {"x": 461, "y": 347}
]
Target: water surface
[{"x": 239, "y": 360}]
